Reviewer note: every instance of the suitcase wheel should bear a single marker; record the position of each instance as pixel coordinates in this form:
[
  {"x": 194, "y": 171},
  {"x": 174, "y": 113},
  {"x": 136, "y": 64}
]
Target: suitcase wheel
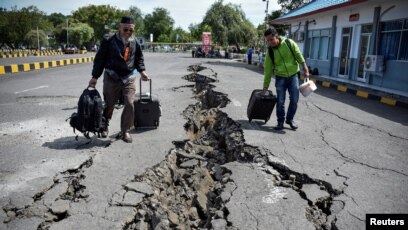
[{"x": 250, "y": 119}]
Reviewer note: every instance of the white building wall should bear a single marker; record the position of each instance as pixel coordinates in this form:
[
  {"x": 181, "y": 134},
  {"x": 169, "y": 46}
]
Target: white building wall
[
  {"x": 397, "y": 12},
  {"x": 295, "y": 27},
  {"x": 390, "y": 10},
  {"x": 366, "y": 16}
]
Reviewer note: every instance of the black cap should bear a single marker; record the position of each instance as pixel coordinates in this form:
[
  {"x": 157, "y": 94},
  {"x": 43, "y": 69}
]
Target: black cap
[{"x": 127, "y": 20}]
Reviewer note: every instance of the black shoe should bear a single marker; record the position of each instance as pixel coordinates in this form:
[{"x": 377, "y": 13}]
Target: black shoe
[
  {"x": 127, "y": 138},
  {"x": 104, "y": 133},
  {"x": 279, "y": 126},
  {"x": 292, "y": 124}
]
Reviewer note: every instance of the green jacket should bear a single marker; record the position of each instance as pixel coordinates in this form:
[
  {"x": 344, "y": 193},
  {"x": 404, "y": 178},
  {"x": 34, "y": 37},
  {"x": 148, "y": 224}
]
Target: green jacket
[{"x": 285, "y": 63}]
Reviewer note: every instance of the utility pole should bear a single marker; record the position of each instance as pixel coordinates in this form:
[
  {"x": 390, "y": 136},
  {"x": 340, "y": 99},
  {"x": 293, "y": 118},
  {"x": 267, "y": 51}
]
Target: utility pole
[
  {"x": 266, "y": 26},
  {"x": 266, "y": 14},
  {"x": 67, "y": 34},
  {"x": 38, "y": 40}
]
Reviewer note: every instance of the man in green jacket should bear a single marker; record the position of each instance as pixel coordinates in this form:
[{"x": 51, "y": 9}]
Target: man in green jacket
[{"x": 283, "y": 60}]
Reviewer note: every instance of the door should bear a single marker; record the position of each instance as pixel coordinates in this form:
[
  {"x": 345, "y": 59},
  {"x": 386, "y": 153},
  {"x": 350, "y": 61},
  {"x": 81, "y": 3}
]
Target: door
[
  {"x": 365, "y": 43},
  {"x": 345, "y": 52},
  {"x": 364, "y": 46}
]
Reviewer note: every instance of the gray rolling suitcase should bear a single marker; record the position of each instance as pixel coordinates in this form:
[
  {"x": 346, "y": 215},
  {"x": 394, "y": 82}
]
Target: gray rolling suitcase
[
  {"x": 147, "y": 109},
  {"x": 261, "y": 105}
]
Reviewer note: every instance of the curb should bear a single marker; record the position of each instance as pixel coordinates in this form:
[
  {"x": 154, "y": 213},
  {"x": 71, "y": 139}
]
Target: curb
[
  {"x": 386, "y": 99},
  {"x": 15, "y": 68},
  {"x": 29, "y": 53}
]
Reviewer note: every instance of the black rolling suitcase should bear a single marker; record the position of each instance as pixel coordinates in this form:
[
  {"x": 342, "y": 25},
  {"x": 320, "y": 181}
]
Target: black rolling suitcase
[
  {"x": 147, "y": 109},
  {"x": 261, "y": 105}
]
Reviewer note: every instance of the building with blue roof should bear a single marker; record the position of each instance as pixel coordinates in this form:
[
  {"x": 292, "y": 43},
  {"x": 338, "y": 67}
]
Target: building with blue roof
[{"x": 359, "y": 42}]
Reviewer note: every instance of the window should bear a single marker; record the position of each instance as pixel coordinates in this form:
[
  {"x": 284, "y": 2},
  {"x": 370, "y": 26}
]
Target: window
[
  {"x": 394, "y": 39},
  {"x": 319, "y": 44},
  {"x": 367, "y": 29}
]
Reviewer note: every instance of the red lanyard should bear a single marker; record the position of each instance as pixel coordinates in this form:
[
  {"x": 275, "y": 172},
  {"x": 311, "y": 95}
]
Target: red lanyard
[{"x": 126, "y": 54}]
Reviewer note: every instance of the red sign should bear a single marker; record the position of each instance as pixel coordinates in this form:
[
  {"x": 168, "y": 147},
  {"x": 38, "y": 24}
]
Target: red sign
[
  {"x": 206, "y": 39},
  {"x": 354, "y": 17}
]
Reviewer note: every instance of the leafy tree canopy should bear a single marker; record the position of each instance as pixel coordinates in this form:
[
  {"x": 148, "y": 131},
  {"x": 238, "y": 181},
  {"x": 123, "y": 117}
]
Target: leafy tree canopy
[
  {"x": 34, "y": 38},
  {"x": 158, "y": 23},
  {"x": 15, "y": 24},
  {"x": 229, "y": 24},
  {"x": 136, "y": 13},
  {"x": 288, "y": 5},
  {"x": 183, "y": 36},
  {"x": 80, "y": 34},
  {"x": 101, "y": 18},
  {"x": 56, "y": 18}
]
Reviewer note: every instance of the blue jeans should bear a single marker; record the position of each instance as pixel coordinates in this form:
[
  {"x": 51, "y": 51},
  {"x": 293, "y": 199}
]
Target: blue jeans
[{"x": 292, "y": 85}]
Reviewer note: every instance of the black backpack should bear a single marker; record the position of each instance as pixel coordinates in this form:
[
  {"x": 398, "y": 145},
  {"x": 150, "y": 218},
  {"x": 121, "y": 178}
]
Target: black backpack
[{"x": 89, "y": 117}]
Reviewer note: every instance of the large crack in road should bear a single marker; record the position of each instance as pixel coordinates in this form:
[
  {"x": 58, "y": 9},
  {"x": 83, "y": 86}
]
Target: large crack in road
[{"x": 190, "y": 188}]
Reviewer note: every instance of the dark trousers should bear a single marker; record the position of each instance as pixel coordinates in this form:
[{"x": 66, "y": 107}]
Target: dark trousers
[
  {"x": 249, "y": 58},
  {"x": 112, "y": 90}
]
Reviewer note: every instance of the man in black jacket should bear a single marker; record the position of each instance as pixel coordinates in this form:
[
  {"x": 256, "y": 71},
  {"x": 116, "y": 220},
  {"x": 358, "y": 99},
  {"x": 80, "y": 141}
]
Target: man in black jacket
[{"x": 119, "y": 55}]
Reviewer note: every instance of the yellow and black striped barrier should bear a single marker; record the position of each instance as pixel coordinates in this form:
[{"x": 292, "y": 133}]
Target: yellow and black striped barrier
[
  {"x": 388, "y": 100},
  {"x": 14, "y": 54},
  {"x": 15, "y": 68},
  {"x": 360, "y": 93}
]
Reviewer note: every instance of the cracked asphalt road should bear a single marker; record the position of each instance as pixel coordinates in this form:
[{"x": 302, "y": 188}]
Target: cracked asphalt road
[
  {"x": 354, "y": 144},
  {"x": 349, "y": 150}
]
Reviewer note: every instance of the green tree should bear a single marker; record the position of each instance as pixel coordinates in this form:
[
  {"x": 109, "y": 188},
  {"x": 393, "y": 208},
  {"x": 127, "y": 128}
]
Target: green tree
[
  {"x": 158, "y": 23},
  {"x": 229, "y": 24},
  {"x": 15, "y": 24},
  {"x": 32, "y": 39},
  {"x": 56, "y": 18},
  {"x": 60, "y": 33},
  {"x": 195, "y": 32},
  {"x": 183, "y": 36},
  {"x": 4, "y": 29},
  {"x": 98, "y": 17},
  {"x": 276, "y": 14},
  {"x": 288, "y": 5},
  {"x": 136, "y": 13},
  {"x": 163, "y": 38},
  {"x": 80, "y": 34}
]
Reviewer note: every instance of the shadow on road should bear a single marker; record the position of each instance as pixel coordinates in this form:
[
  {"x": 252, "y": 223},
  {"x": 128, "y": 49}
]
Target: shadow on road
[
  {"x": 82, "y": 143},
  {"x": 392, "y": 113},
  {"x": 261, "y": 126},
  {"x": 374, "y": 107}
]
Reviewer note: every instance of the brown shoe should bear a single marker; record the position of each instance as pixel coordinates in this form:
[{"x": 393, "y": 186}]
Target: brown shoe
[{"x": 127, "y": 138}]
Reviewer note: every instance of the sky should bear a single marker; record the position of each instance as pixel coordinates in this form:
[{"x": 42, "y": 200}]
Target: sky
[{"x": 184, "y": 12}]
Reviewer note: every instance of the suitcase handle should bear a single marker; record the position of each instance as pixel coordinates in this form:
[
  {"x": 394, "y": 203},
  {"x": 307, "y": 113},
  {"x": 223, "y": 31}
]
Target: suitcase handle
[
  {"x": 140, "y": 92},
  {"x": 268, "y": 93}
]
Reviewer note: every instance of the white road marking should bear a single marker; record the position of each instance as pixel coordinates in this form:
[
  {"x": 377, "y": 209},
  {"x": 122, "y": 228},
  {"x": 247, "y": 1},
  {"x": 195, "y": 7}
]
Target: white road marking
[
  {"x": 236, "y": 102},
  {"x": 26, "y": 90}
]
